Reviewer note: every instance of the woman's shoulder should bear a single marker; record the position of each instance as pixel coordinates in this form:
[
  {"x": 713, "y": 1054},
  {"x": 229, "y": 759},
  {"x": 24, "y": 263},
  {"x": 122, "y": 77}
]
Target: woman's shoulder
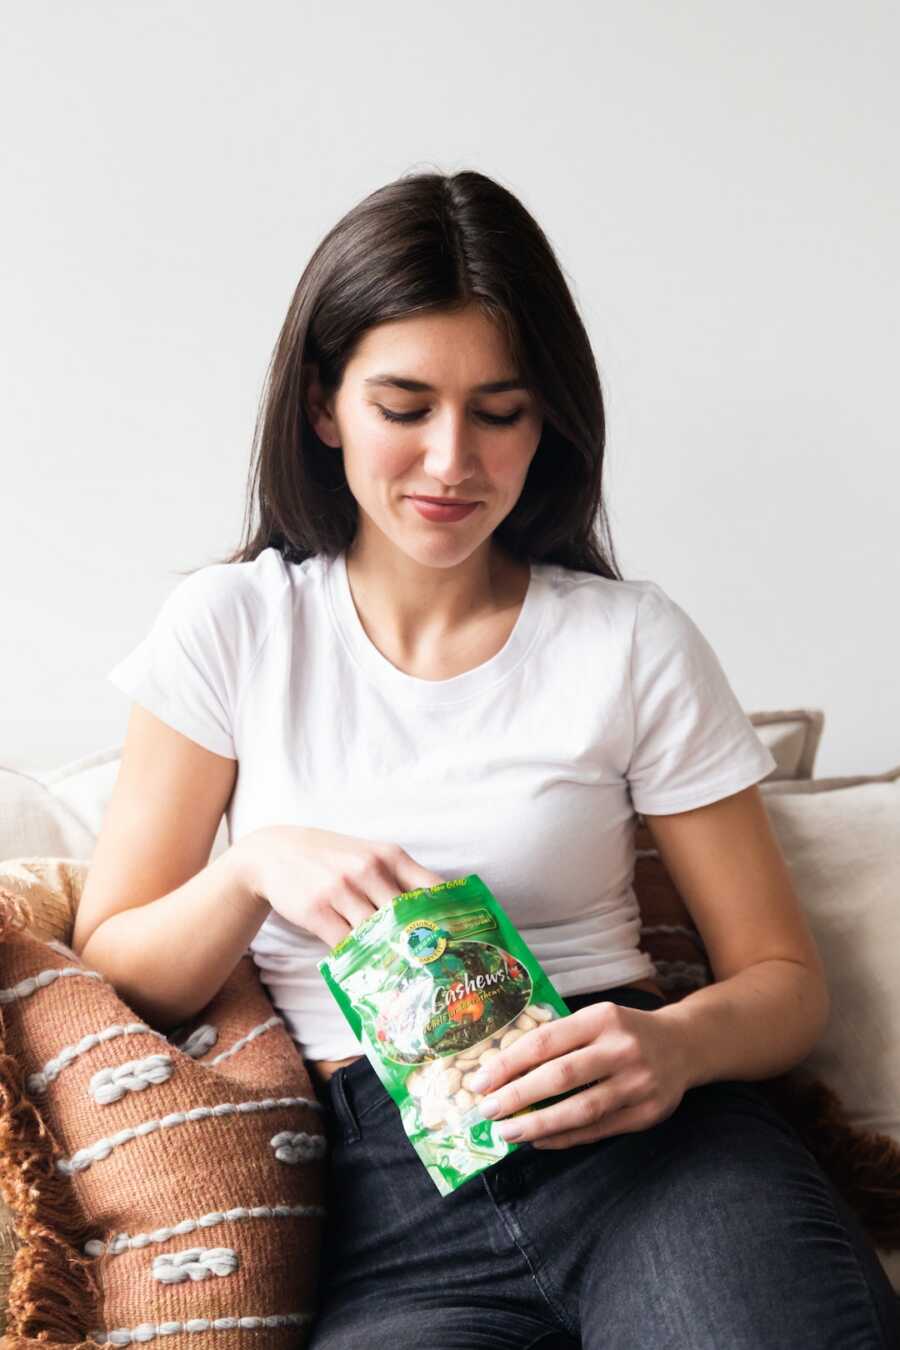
[
  {"x": 222, "y": 586},
  {"x": 617, "y": 599},
  {"x": 230, "y": 607}
]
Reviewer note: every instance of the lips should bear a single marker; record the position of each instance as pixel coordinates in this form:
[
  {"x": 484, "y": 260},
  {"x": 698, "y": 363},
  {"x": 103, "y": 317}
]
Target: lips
[
  {"x": 442, "y": 501},
  {"x": 448, "y": 512}
]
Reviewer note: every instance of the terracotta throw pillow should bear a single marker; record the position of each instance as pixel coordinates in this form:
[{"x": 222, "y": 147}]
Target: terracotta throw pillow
[{"x": 161, "y": 1186}]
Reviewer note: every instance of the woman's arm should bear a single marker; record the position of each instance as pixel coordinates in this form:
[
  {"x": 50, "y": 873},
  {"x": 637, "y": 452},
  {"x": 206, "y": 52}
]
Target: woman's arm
[
  {"x": 167, "y": 958},
  {"x": 770, "y": 1002},
  {"x": 164, "y": 924}
]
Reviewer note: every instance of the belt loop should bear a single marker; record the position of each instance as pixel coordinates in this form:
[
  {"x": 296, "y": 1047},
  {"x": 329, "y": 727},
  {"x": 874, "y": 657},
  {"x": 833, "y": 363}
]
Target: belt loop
[{"x": 343, "y": 1105}]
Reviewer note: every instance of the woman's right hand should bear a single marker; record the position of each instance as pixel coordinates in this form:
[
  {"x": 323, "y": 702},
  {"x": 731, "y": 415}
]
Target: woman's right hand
[{"x": 325, "y": 883}]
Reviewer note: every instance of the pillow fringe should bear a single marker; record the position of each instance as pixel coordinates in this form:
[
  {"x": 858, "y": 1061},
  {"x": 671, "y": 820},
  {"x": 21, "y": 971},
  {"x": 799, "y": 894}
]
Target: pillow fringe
[
  {"x": 16, "y": 915},
  {"x": 864, "y": 1165},
  {"x": 13, "y": 1341},
  {"x": 47, "y": 1218}
]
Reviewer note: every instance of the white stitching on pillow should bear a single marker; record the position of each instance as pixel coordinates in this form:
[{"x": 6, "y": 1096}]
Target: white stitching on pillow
[
  {"x": 135, "y": 1075},
  {"x": 291, "y": 1147},
  {"x": 32, "y": 983},
  {"x": 251, "y": 1035},
  {"x": 194, "y": 1263},
  {"x": 103, "y": 1147},
  {"x": 201, "y": 1039},
  {"x": 123, "y": 1243},
  {"x": 148, "y": 1330},
  {"x": 39, "y": 1081}
]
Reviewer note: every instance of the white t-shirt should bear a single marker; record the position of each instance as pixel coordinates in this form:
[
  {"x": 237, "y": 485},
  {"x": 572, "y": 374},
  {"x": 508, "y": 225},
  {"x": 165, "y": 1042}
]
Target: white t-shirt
[{"x": 606, "y": 700}]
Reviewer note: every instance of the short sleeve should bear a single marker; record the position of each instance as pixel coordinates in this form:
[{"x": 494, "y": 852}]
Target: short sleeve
[
  {"x": 187, "y": 670},
  {"x": 692, "y": 743}
]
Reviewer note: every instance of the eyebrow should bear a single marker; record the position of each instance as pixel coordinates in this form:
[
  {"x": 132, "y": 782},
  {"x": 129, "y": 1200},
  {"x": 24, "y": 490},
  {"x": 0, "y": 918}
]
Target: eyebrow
[{"x": 420, "y": 387}]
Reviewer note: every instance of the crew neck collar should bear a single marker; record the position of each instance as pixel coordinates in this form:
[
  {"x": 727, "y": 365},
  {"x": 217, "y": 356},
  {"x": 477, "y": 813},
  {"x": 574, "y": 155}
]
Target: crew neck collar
[{"x": 432, "y": 693}]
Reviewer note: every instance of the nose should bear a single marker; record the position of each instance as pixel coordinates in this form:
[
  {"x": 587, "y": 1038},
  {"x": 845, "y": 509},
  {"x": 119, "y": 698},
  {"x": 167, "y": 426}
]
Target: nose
[{"x": 449, "y": 458}]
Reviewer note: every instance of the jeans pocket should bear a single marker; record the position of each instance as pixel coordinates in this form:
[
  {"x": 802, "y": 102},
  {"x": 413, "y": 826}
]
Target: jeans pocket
[{"x": 373, "y": 1110}]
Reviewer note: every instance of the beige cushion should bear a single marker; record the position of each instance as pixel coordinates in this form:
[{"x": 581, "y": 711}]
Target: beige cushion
[
  {"x": 792, "y": 735},
  {"x": 58, "y": 812},
  {"x": 33, "y": 822},
  {"x": 841, "y": 838}
]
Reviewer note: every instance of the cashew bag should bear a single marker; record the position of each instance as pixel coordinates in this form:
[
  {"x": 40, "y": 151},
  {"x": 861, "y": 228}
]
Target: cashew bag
[{"x": 434, "y": 985}]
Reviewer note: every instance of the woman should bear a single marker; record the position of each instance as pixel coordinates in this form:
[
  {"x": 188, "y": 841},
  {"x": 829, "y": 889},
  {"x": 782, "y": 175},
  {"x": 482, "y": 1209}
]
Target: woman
[{"x": 479, "y": 682}]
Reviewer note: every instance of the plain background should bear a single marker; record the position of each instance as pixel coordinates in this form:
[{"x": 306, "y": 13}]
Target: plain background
[{"x": 720, "y": 185}]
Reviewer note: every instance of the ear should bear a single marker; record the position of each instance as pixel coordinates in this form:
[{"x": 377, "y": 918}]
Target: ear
[{"x": 319, "y": 410}]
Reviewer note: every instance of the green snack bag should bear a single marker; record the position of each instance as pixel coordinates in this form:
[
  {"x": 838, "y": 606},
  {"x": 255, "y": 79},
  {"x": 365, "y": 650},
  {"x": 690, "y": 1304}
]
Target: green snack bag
[{"x": 433, "y": 985}]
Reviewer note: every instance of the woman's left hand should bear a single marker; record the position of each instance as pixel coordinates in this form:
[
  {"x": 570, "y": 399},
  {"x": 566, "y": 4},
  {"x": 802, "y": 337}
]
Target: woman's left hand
[{"x": 629, "y": 1063}]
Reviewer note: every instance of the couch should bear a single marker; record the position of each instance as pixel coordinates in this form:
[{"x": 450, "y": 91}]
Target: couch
[{"x": 841, "y": 837}]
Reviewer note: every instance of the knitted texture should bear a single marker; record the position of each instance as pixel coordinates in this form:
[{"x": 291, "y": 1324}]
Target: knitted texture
[{"x": 166, "y": 1189}]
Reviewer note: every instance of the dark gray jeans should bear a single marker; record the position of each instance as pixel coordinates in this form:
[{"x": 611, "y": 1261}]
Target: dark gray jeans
[{"x": 715, "y": 1229}]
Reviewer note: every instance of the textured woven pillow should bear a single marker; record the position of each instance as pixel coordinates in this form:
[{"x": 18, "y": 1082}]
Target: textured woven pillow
[{"x": 166, "y": 1189}]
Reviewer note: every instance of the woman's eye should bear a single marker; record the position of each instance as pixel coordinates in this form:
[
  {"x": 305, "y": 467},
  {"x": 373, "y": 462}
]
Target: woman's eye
[{"x": 491, "y": 418}]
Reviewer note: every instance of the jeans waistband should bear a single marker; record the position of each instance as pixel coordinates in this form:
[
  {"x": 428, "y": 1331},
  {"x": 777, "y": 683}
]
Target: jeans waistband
[{"x": 354, "y": 1086}]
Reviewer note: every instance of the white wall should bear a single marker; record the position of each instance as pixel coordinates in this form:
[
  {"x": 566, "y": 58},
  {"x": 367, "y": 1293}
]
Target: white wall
[{"x": 720, "y": 184}]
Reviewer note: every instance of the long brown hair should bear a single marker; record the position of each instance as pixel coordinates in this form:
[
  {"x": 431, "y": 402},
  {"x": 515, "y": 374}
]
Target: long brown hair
[{"x": 433, "y": 241}]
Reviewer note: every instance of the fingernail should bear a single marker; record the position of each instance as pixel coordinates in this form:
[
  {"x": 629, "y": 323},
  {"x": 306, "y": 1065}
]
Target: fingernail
[
  {"x": 479, "y": 1081},
  {"x": 509, "y": 1130},
  {"x": 490, "y": 1106}
]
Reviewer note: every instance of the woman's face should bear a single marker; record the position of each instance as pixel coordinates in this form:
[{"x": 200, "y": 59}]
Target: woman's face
[{"x": 448, "y": 439}]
